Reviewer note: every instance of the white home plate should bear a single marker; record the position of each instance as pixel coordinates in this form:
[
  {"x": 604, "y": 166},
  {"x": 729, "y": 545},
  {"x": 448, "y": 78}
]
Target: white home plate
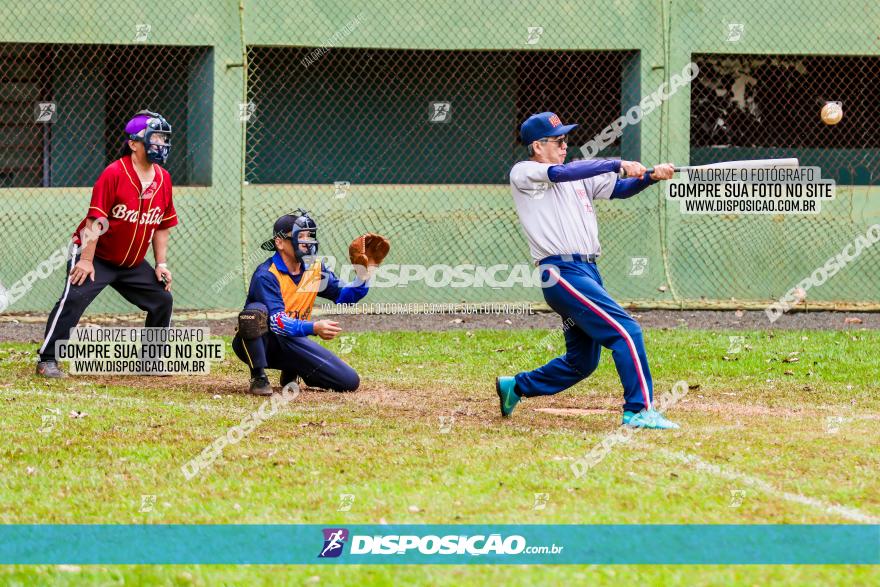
[{"x": 573, "y": 411}]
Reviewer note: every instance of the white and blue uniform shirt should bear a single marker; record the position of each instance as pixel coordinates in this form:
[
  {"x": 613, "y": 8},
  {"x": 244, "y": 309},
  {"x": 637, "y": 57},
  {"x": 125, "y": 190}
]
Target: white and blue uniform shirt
[{"x": 558, "y": 218}]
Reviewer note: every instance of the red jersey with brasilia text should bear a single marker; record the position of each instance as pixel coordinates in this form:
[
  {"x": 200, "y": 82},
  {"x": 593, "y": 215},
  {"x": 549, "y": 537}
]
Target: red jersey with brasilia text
[{"x": 132, "y": 216}]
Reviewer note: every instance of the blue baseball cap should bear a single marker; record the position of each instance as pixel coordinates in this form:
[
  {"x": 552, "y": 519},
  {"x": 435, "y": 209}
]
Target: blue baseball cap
[{"x": 545, "y": 124}]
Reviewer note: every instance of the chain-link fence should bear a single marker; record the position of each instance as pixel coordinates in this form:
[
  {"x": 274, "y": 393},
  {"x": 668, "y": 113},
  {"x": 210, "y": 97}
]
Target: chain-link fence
[
  {"x": 64, "y": 105},
  {"x": 765, "y": 74},
  {"x": 417, "y": 144},
  {"x": 402, "y": 118},
  {"x": 766, "y": 106}
]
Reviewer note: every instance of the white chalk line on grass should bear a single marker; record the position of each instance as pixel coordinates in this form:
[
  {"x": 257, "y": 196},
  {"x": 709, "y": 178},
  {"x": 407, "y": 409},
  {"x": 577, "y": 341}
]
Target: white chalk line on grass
[{"x": 726, "y": 473}]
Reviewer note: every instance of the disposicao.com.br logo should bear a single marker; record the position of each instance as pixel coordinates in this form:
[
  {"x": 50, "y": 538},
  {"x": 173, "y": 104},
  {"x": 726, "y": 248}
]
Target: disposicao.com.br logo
[
  {"x": 334, "y": 541},
  {"x": 452, "y": 544}
]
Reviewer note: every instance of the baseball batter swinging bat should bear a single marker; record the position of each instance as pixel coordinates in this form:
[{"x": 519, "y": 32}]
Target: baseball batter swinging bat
[{"x": 747, "y": 164}]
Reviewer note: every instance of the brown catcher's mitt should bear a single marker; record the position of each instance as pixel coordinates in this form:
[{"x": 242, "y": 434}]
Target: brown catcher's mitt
[{"x": 368, "y": 250}]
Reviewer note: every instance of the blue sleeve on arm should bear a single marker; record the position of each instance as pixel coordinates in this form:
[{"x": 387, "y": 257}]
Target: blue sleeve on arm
[
  {"x": 283, "y": 325},
  {"x": 627, "y": 188},
  {"x": 342, "y": 293},
  {"x": 582, "y": 170},
  {"x": 330, "y": 285},
  {"x": 352, "y": 293}
]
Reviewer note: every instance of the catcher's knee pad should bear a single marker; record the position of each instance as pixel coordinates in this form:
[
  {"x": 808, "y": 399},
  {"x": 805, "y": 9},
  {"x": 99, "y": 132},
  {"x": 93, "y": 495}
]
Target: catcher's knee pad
[{"x": 253, "y": 321}]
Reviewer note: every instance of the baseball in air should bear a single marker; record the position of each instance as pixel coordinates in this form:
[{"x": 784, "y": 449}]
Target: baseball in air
[{"x": 832, "y": 112}]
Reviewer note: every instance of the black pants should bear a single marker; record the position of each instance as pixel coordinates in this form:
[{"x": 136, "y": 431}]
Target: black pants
[
  {"x": 297, "y": 356},
  {"x": 137, "y": 284}
]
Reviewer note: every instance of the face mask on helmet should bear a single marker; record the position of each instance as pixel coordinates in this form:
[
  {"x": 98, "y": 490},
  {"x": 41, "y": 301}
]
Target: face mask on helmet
[
  {"x": 157, "y": 129},
  {"x": 305, "y": 232}
]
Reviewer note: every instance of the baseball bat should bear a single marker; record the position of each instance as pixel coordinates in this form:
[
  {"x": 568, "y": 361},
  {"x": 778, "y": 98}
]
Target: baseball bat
[{"x": 746, "y": 164}]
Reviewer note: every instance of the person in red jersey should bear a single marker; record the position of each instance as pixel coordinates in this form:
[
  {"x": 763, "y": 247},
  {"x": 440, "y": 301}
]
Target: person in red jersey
[{"x": 131, "y": 208}]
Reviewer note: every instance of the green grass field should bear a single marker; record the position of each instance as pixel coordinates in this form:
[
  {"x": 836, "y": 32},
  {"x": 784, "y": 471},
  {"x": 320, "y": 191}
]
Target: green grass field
[{"x": 783, "y": 431}]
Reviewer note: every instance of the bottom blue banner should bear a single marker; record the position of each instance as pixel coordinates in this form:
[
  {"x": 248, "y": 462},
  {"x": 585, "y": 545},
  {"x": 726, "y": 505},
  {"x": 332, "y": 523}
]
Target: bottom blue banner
[{"x": 440, "y": 544}]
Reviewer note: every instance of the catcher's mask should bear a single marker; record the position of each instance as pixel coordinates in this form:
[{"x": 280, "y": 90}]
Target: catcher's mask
[
  {"x": 151, "y": 123},
  {"x": 290, "y": 226}
]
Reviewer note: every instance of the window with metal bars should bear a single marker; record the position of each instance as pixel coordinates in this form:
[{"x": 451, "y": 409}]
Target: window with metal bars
[
  {"x": 762, "y": 106},
  {"x": 63, "y": 108}
]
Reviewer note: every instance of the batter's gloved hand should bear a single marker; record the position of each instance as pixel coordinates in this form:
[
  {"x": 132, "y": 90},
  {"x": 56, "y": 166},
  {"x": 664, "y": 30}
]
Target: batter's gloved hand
[{"x": 366, "y": 252}]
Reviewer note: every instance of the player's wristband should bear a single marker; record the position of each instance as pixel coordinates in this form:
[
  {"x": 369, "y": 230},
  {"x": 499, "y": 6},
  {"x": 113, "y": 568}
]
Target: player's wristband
[{"x": 162, "y": 265}]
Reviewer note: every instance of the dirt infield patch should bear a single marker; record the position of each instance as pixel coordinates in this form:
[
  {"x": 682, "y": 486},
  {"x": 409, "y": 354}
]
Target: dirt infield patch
[{"x": 574, "y": 411}]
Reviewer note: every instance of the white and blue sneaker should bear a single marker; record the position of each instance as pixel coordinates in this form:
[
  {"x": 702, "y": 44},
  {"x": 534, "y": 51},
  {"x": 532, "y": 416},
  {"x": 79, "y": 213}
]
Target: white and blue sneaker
[{"x": 648, "y": 419}]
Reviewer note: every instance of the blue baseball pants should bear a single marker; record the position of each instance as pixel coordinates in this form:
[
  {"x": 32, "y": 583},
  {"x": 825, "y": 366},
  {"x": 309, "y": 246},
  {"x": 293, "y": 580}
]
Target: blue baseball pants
[{"x": 591, "y": 320}]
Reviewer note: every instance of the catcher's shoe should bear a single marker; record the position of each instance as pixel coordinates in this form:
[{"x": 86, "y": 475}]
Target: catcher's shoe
[
  {"x": 648, "y": 419},
  {"x": 506, "y": 393},
  {"x": 288, "y": 376},
  {"x": 260, "y": 386},
  {"x": 49, "y": 369}
]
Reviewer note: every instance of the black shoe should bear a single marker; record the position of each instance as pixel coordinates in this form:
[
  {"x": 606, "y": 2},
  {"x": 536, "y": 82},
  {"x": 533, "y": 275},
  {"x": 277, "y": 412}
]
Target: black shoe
[
  {"x": 287, "y": 377},
  {"x": 49, "y": 369},
  {"x": 260, "y": 386}
]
